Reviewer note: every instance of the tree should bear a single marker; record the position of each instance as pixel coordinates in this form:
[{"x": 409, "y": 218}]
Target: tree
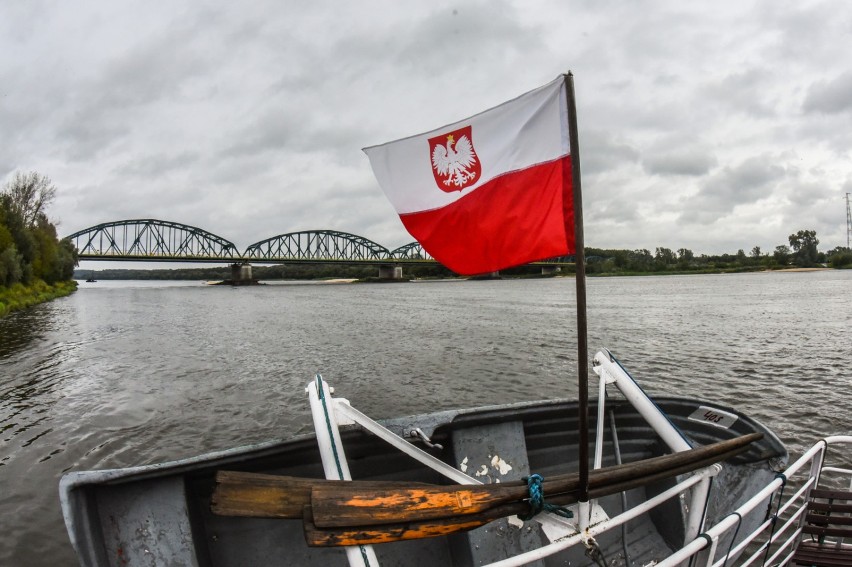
[
  {"x": 804, "y": 244},
  {"x": 640, "y": 260},
  {"x": 840, "y": 257},
  {"x": 30, "y": 194},
  {"x": 29, "y": 247},
  {"x": 782, "y": 254},
  {"x": 755, "y": 252},
  {"x": 663, "y": 257},
  {"x": 684, "y": 257}
]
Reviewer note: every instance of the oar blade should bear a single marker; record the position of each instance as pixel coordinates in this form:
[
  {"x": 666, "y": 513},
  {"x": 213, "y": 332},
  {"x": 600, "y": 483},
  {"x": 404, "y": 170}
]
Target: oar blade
[
  {"x": 359, "y": 505},
  {"x": 387, "y": 533},
  {"x": 260, "y": 495},
  {"x": 257, "y": 495}
]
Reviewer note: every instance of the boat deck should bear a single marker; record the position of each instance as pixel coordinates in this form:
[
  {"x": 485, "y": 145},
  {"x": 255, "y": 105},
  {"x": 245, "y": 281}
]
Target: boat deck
[{"x": 828, "y": 515}]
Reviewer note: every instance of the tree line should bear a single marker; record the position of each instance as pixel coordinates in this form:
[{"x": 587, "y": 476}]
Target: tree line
[
  {"x": 29, "y": 247},
  {"x": 801, "y": 252}
]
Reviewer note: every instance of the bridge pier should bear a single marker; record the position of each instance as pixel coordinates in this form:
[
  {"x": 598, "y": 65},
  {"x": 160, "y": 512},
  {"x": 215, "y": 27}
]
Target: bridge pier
[
  {"x": 387, "y": 272},
  {"x": 550, "y": 270},
  {"x": 241, "y": 275}
]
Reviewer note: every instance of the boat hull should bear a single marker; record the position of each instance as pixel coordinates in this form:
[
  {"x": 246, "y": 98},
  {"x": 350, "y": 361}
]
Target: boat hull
[{"x": 161, "y": 514}]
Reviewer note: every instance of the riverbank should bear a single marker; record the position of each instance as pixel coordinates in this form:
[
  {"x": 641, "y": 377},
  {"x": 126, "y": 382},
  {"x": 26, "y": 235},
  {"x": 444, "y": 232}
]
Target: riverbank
[
  {"x": 21, "y": 296},
  {"x": 712, "y": 271}
]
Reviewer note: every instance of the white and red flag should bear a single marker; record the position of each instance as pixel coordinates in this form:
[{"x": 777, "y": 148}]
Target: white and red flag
[{"x": 488, "y": 192}]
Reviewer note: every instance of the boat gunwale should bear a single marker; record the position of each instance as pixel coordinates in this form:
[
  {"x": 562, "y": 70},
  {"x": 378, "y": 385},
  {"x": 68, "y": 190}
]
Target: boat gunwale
[{"x": 430, "y": 423}]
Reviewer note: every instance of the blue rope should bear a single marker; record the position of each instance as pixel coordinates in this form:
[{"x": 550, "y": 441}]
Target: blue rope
[{"x": 537, "y": 502}]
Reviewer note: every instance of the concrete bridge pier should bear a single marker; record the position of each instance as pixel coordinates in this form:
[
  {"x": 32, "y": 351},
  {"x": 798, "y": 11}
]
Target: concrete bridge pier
[
  {"x": 241, "y": 275},
  {"x": 550, "y": 270},
  {"x": 387, "y": 272}
]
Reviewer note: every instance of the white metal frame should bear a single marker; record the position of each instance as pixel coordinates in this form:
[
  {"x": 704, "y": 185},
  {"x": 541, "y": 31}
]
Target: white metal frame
[
  {"x": 335, "y": 466},
  {"x": 610, "y": 371}
]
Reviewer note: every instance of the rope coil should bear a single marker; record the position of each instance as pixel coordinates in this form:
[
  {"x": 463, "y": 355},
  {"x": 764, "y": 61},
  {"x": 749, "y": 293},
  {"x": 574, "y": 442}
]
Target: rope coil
[{"x": 537, "y": 502}]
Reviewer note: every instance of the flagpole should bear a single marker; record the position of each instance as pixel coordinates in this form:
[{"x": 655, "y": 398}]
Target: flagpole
[{"x": 580, "y": 262}]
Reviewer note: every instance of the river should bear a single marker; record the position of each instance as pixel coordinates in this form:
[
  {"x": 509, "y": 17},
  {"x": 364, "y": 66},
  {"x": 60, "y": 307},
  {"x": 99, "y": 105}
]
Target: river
[{"x": 131, "y": 373}]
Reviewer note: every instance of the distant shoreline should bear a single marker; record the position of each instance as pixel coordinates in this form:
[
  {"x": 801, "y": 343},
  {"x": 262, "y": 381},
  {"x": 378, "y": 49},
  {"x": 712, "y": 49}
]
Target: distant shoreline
[{"x": 198, "y": 274}]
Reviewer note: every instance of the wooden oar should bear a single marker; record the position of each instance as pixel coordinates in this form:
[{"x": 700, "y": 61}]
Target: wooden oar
[
  {"x": 258, "y": 495},
  {"x": 352, "y": 504},
  {"x": 276, "y": 496},
  {"x": 384, "y": 533}
]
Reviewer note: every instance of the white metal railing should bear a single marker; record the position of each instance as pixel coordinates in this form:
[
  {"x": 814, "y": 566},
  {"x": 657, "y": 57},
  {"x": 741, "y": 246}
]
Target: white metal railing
[{"x": 774, "y": 545}]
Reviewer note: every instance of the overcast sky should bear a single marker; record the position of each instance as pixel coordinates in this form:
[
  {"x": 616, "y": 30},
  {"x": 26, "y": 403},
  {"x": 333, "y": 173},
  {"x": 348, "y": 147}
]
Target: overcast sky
[{"x": 713, "y": 126}]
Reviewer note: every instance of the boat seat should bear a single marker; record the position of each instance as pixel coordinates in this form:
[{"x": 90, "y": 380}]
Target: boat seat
[
  {"x": 827, "y": 522},
  {"x": 493, "y": 453}
]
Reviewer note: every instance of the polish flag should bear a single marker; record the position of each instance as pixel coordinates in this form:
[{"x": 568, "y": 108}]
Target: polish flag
[{"x": 488, "y": 192}]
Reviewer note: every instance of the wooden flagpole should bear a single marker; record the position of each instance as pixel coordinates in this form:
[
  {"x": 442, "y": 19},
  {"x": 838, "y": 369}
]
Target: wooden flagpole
[{"x": 580, "y": 262}]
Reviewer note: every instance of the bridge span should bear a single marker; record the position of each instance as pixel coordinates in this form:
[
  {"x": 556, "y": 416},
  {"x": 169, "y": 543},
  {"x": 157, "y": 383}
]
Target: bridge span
[{"x": 152, "y": 240}]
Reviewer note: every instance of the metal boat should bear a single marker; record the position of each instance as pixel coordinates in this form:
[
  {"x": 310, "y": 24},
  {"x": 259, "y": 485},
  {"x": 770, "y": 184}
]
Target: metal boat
[{"x": 165, "y": 514}]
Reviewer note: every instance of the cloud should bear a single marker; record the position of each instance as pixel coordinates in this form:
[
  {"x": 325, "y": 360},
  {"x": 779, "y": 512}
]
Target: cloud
[
  {"x": 158, "y": 164},
  {"x": 830, "y": 97},
  {"x": 691, "y": 161},
  {"x": 746, "y": 183},
  {"x": 702, "y": 126},
  {"x": 600, "y": 151}
]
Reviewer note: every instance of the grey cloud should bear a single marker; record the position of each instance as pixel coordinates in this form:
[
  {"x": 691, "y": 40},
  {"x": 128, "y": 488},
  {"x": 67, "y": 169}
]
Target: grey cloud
[
  {"x": 281, "y": 129},
  {"x": 748, "y": 91},
  {"x": 601, "y": 151},
  {"x": 85, "y": 140},
  {"x": 747, "y": 182},
  {"x": 830, "y": 97},
  {"x": 689, "y": 161},
  {"x": 475, "y": 34},
  {"x": 131, "y": 92},
  {"x": 150, "y": 72},
  {"x": 615, "y": 210},
  {"x": 158, "y": 164}
]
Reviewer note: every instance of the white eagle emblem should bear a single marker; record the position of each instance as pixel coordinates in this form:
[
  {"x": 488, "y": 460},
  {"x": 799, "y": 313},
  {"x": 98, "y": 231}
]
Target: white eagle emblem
[{"x": 455, "y": 163}]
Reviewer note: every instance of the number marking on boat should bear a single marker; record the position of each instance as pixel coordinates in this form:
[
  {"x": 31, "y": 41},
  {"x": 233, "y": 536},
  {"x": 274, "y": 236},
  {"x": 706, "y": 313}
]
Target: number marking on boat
[{"x": 713, "y": 416}]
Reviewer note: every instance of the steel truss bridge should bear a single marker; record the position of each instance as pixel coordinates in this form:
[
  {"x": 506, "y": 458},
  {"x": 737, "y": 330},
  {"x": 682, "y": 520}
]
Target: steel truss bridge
[{"x": 152, "y": 240}]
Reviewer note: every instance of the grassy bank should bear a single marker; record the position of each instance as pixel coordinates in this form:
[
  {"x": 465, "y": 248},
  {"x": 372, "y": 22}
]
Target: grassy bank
[{"x": 20, "y": 296}]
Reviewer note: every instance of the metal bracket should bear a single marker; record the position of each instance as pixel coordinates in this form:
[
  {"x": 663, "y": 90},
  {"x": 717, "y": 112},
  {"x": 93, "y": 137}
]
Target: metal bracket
[{"x": 417, "y": 432}]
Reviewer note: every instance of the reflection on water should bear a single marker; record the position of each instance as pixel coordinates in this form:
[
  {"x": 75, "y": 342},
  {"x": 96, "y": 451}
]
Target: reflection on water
[
  {"x": 127, "y": 373},
  {"x": 30, "y": 362},
  {"x": 20, "y": 328}
]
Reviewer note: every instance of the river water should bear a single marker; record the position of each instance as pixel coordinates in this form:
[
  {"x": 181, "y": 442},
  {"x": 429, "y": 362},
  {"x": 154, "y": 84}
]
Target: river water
[{"x": 131, "y": 373}]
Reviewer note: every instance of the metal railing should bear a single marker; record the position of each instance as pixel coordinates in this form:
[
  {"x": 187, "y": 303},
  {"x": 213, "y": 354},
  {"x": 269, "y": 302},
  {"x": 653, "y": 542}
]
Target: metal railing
[{"x": 775, "y": 540}]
